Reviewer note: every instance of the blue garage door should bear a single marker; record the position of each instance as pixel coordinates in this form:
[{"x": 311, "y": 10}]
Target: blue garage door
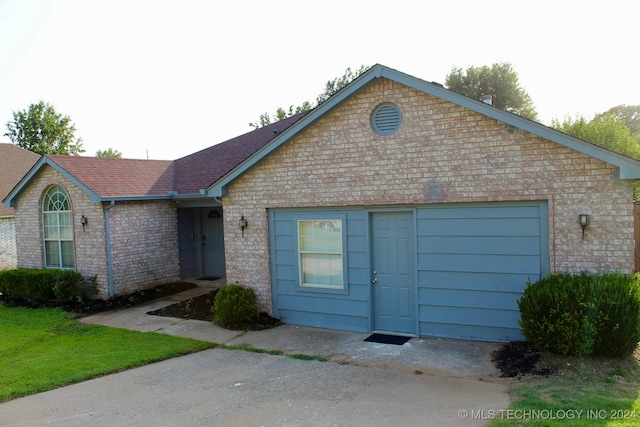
[{"x": 473, "y": 264}]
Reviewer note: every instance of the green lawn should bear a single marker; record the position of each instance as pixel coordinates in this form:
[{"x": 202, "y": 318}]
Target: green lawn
[
  {"x": 580, "y": 392},
  {"x": 43, "y": 349}
]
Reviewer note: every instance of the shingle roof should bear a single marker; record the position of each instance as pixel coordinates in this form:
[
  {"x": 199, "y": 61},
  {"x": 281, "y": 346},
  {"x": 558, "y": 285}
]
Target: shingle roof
[
  {"x": 15, "y": 162},
  {"x": 109, "y": 177},
  {"x": 199, "y": 170}
]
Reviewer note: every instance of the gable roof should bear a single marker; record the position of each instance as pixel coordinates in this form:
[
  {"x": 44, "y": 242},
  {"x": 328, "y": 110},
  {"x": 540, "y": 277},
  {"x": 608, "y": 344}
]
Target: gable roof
[
  {"x": 210, "y": 171},
  {"x": 196, "y": 172},
  {"x": 14, "y": 163},
  {"x": 107, "y": 179},
  {"x": 628, "y": 168}
]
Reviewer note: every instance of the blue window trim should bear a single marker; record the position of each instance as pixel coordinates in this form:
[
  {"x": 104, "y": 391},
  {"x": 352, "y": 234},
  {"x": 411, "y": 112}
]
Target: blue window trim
[{"x": 319, "y": 216}]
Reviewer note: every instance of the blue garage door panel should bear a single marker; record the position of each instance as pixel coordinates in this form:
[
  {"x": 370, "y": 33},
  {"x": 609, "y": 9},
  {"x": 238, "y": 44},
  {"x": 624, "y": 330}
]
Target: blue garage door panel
[
  {"x": 473, "y": 280},
  {"x": 473, "y": 264},
  {"x": 480, "y": 263},
  {"x": 471, "y": 299},
  {"x": 470, "y": 332},
  {"x": 490, "y": 227},
  {"x": 498, "y": 245}
]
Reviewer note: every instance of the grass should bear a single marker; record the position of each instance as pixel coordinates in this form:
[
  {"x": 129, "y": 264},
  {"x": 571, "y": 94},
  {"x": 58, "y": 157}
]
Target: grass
[
  {"x": 580, "y": 392},
  {"x": 43, "y": 349},
  {"x": 251, "y": 349}
]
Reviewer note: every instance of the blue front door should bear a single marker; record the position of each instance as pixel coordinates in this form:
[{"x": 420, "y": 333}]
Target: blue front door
[{"x": 393, "y": 272}]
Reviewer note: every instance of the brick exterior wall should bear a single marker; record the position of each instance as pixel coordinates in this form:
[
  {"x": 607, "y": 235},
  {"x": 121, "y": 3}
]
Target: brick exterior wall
[
  {"x": 443, "y": 153},
  {"x": 144, "y": 245},
  {"x": 144, "y": 237},
  {"x": 8, "y": 249}
]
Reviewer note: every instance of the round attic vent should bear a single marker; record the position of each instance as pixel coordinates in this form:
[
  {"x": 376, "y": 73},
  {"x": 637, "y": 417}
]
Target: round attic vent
[{"x": 386, "y": 119}]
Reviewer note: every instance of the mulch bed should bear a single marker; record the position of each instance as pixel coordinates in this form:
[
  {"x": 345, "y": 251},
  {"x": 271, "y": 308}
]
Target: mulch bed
[
  {"x": 519, "y": 358},
  {"x": 199, "y": 308},
  {"x": 123, "y": 301},
  {"x": 202, "y": 308}
]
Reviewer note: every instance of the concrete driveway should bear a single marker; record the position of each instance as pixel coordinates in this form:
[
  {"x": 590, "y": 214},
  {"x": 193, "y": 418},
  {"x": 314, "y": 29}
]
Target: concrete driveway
[{"x": 423, "y": 382}]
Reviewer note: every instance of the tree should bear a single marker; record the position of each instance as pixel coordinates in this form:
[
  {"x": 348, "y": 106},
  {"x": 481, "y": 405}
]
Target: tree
[
  {"x": 331, "y": 87},
  {"x": 606, "y": 130},
  {"x": 109, "y": 153},
  {"x": 335, "y": 85},
  {"x": 41, "y": 130},
  {"x": 629, "y": 114},
  {"x": 611, "y": 130},
  {"x": 500, "y": 81}
]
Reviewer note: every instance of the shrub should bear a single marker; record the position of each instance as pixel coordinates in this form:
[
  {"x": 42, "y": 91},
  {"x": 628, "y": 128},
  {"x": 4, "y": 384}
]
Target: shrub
[
  {"x": 66, "y": 286},
  {"x": 235, "y": 306},
  {"x": 582, "y": 314},
  {"x": 41, "y": 286}
]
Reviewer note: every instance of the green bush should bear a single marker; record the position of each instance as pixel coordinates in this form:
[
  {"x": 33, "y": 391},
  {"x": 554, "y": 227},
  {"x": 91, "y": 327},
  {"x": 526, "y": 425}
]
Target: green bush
[
  {"x": 235, "y": 306},
  {"x": 582, "y": 314},
  {"x": 42, "y": 286}
]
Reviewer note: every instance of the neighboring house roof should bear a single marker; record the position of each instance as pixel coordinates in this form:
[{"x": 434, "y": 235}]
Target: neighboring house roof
[
  {"x": 107, "y": 179},
  {"x": 15, "y": 162},
  {"x": 628, "y": 167}
]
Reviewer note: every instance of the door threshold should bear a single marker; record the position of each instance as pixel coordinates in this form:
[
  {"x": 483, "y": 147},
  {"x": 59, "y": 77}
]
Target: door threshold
[{"x": 400, "y": 334}]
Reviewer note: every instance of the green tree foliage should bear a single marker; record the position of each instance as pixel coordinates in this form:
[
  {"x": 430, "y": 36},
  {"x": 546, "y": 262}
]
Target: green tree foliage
[
  {"x": 109, "y": 153},
  {"x": 500, "y": 81},
  {"x": 335, "y": 85},
  {"x": 606, "y": 130},
  {"x": 630, "y": 115},
  {"x": 41, "y": 130},
  {"x": 331, "y": 87}
]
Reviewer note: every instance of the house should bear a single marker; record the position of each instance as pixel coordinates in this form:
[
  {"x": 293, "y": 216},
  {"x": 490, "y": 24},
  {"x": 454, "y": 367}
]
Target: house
[
  {"x": 394, "y": 206},
  {"x": 14, "y": 163}
]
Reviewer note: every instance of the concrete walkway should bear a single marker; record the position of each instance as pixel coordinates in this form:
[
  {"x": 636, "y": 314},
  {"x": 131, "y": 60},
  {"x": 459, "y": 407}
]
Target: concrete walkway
[{"x": 423, "y": 382}]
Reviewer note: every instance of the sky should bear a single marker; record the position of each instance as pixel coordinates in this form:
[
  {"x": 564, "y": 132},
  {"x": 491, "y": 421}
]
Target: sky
[{"x": 163, "y": 79}]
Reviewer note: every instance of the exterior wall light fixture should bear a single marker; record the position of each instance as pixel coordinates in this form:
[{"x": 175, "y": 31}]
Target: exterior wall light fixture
[
  {"x": 583, "y": 220},
  {"x": 84, "y": 221},
  {"x": 243, "y": 224}
]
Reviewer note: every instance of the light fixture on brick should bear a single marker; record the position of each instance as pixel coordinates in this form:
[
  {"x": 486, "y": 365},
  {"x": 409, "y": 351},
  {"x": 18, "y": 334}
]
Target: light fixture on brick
[
  {"x": 583, "y": 220},
  {"x": 243, "y": 224},
  {"x": 84, "y": 221}
]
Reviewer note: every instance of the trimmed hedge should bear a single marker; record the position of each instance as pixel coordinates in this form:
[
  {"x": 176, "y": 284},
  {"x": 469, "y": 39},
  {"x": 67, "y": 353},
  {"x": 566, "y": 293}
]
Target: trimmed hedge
[
  {"x": 582, "y": 314},
  {"x": 42, "y": 286},
  {"x": 235, "y": 306}
]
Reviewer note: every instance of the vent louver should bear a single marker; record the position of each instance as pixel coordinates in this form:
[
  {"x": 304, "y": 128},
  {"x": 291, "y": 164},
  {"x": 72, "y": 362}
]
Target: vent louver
[{"x": 386, "y": 119}]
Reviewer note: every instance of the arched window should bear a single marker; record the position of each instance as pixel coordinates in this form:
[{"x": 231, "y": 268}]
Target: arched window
[{"x": 58, "y": 229}]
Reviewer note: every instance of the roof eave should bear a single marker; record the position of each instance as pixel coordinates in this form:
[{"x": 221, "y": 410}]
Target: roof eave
[
  {"x": 220, "y": 187},
  {"x": 10, "y": 200},
  {"x": 629, "y": 168}
]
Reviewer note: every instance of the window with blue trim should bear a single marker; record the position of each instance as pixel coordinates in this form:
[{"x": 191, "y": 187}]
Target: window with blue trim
[{"x": 320, "y": 251}]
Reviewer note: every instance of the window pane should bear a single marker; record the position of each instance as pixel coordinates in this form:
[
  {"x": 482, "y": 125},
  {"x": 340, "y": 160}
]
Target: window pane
[
  {"x": 320, "y": 246},
  {"x": 321, "y": 236},
  {"x": 322, "y": 270},
  {"x": 67, "y": 254},
  {"x": 66, "y": 233},
  {"x": 66, "y": 226},
  {"x": 50, "y": 225},
  {"x": 52, "y": 254}
]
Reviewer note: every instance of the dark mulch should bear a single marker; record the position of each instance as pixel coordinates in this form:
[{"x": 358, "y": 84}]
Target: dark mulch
[
  {"x": 98, "y": 305},
  {"x": 202, "y": 308},
  {"x": 518, "y": 358},
  {"x": 199, "y": 308}
]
